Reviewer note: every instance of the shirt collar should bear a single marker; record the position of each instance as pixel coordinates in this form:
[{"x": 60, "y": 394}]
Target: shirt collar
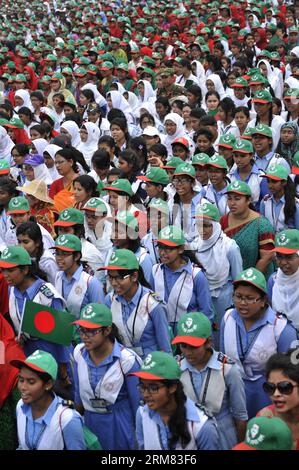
[
  {"x": 268, "y": 317},
  {"x": 266, "y": 157},
  {"x": 76, "y": 276},
  {"x": 187, "y": 267},
  {"x": 134, "y": 299},
  {"x": 46, "y": 418},
  {"x": 212, "y": 363}
]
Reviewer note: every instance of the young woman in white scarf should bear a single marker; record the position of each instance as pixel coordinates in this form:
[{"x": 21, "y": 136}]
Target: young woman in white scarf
[
  {"x": 89, "y": 134},
  {"x": 71, "y": 129},
  {"x": 218, "y": 255},
  {"x": 6, "y": 145},
  {"x": 99, "y": 99},
  {"x": 49, "y": 158},
  {"x": 272, "y": 78},
  {"x": 22, "y": 98},
  {"x": 283, "y": 285},
  {"x": 116, "y": 100},
  {"x": 214, "y": 83},
  {"x": 38, "y": 146},
  {"x": 174, "y": 128}
]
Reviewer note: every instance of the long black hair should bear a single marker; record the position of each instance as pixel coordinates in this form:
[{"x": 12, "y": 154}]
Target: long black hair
[
  {"x": 33, "y": 231},
  {"x": 290, "y": 200},
  {"x": 9, "y": 186},
  {"x": 88, "y": 183}
]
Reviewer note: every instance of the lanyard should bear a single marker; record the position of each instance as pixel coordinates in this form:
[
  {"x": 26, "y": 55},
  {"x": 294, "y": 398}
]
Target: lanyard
[
  {"x": 135, "y": 316},
  {"x": 36, "y": 442},
  {"x": 250, "y": 345},
  {"x": 274, "y": 218},
  {"x": 178, "y": 297}
]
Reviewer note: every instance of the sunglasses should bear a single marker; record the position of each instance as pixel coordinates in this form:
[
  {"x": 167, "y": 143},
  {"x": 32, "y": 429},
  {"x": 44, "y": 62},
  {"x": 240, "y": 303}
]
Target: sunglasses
[{"x": 285, "y": 388}]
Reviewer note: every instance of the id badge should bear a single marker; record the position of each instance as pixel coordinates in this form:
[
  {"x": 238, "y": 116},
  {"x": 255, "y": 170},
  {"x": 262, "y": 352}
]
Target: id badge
[{"x": 99, "y": 405}]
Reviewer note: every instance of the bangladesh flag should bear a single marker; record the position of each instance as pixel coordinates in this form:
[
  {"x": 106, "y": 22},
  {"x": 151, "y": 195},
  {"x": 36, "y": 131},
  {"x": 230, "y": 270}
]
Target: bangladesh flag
[{"x": 48, "y": 323}]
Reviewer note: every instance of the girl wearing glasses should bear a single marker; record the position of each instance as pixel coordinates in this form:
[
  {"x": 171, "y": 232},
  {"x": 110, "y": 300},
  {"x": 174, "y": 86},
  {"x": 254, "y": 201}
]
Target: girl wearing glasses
[
  {"x": 138, "y": 314},
  {"x": 105, "y": 392},
  {"x": 282, "y": 386},
  {"x": 251, "y": 332},
  {"x": 169, "y": 420},
  {"x": 215, "y": 191}
]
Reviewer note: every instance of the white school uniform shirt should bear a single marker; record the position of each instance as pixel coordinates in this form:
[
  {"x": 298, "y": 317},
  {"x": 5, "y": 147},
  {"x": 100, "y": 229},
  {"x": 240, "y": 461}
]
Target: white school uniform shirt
[{"x": 276, "y": 124}]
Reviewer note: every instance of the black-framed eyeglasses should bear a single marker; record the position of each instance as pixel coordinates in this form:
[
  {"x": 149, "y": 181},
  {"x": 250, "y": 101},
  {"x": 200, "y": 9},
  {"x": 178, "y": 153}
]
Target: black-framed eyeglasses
[
  {"x": 244, "y": 298},
  {"x": 88, "y": 332},
  {"x": 181, "y": 180},
  {"x": 166, "y": 247},
  {"x": 151, "y": 388},
  {"x": 284, "y": 387},
  {"x": 117, "y": 278}
]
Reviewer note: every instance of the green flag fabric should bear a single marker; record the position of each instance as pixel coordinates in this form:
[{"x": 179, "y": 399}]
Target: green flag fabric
[{"x": 48, "y": 323}]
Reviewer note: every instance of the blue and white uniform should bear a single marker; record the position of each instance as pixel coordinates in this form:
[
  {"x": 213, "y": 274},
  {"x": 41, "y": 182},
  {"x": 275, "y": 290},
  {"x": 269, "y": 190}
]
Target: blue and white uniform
[
  {"x": 142, "y": 322},
  {"x": 263, "y": 163},
  {"x": 109, "y": 395},
  {"x": 59, "y": 428},
  {"x": 273, "y": 210},
  {"x": 149, "y": 242},
  {"x": 182, "y": 215},
  {"x": 216, "y": 197},
  {"x": 251, "y": 349},
  {"x": 153, "y": 434},
  {"x": 219, "y": 388},
  {"x": 253, "y": 180},
  {"x": 184, "y": 290}
]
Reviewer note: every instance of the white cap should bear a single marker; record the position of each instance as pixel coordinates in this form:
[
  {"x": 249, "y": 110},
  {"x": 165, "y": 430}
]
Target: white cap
[{"x": 151, "y": 131}]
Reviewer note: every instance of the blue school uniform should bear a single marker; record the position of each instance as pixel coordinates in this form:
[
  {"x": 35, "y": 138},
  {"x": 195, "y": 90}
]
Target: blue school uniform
[
  {"x": 71, "y": 435},
  {"x": 233, "y": 406},
  {"x": 273, "y": 210},
  {"x": 206, "y": 439},
  {"x": 263, "y": 163},
  {"x": 153, "y": 335},
  {"x": 114, "y": 424},
  {"x": 251, "y": 349}
]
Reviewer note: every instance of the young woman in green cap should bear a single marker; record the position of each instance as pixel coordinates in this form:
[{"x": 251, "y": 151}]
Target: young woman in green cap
[
  {"x": 251, "y": 332},
  {"x": 44, "y": 422},
  {"x": 158, "y": 218},
  {"x": 211, "y": 379},
  {"x": 139, "y": 315},
  {"x": 215, "y": 191},
  {"x": 169, "y": 420},
  {"x": 104, "y": 390}
]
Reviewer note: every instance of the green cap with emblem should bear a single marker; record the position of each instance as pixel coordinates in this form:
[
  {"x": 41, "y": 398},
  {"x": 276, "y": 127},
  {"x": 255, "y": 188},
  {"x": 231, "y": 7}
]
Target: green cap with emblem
[
  {"x": 262, "y": 96},
  {"x": 265, "y": 433},
  {"x": 243, "y": 146},
  {"x": 121, "y": 260},
  {"x": 287, "y": 242},
  {"x": 207, "y": 210},
  {"x": 69, "y": 217},
  {"x": 253, "y": 277},
  {"x": 171, "y": 236},
  {"x": 257, "y": 79},
  {"x": 68, "y": 242},
  {"x": 291, "y": 93},
  {"x": 227, "y": 141},
  {"x": 262, "y": 129},
  {"x": 295, "y": 167},
  {"x": 185, "y": 169},
  {"x": 39, "y": 361},
  {"x": 94, "y": 316},
  {"x": 173, "y": 162},
  {"x": 96, "y": 204},
  {"x": 14, "y": 256},
  {"x": 4, "y": 167},
  {"x": 18, "y": 205},
  {"x": 239, "y": 187},
  {"x": 200, "y": 159},
  {"x": 20, "y": 77},
  {"x": 159, "y": 366},
  {"x": 155, "y": 175},
  {"x": 121, "y": 185},
  {"x": 128, "y": 219},
  {"x": 240, "y": 82},
  {"x": 159, "y": 205},
  {"x": 218, "y": 161},
  {"x": 276, "y": 172},
  {"x": 193, "y": 329}
]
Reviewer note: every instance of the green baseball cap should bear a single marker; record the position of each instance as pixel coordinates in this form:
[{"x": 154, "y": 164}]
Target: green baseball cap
[
  {"x": 155, "y": 175},
  {"x": 159, "y": 366},
  {"x": 94, "y": 316},
  {"x": 295, "y": 167},
  {"x": 14, "y": 256},
  {"x": 262, "y": 129},
  {"x": 159, "y": 205},
  {"x": 240, "y": 82},
  {"x": 96, "y": 204},
  {"x": 243, "y": 146},
  {"x": 128, "y": 219},
  {"x": 200, "y": 159},
  {"x": 262, "y": 96},
  {"x": 68, "y": 242},
  {"x": 185, "y": 169},
  {"x": 174, "y": 162},
  {"x": 276, "y": 172},
  {"x": 265, "y": 433},
  {"x": 4, "y": 167},
  {"x": 121, "y": 260},
  {"x": 69, "y": 217},
  {"x": 40, "y": 361},
  {"x": 247, "y": 134},
  {"x": 171, "y": 236},
  {"x": 193, "y": 329},
  {"x": 208, "y": 210},
  {"x": 287, "y": 242},
  {"x": 253, "y": 277},
  {"x": 218, "y": 161},
  {"x": 257, "y": 79},
  {"x": 227, "y": 140},
  {"x": 291, "y": 93},
  {"x": 20, "y": 77},
  {"x": 18, "y": 205},
  {"x": 239, "y": 187},
  {"x": 80, "y": 72},
  {"x": 107, "y": 65},
  {"x": 121, "y": 185}
]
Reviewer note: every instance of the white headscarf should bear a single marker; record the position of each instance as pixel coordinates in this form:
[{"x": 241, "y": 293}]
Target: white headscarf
[
  {"x": 40, "y": 145},
  {"x": 119, "y": 102},
  {"x": 149, "y": 93},
  {"x": 132, "y": 100},
  {"x": 295, "y": 51},
  {"x": 212, "y": 255},
  {"x": 25, "y": 96},
  {"x": 91, "y": 145},
  {"x": 292, "y": 82},
  {"x": 180, "y": 131},
  {"x": 42, "y": 173},
  {"x": 73, "y": 130},
  {"x": 201, "y": 75},
  {"x": 6, "y": 144},
  {"x": 285, "y": 296},
  {"x": 271, "y": 77},
  {"x": 52, "y": 149},
  {"x": 218, "y": 84},
  {"x": 120, "y": 87},
  {"x": 99, "y": 99}
]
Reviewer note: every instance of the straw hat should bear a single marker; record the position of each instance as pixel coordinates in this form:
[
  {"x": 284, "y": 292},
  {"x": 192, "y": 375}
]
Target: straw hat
[{"x": 37, "y": 189}]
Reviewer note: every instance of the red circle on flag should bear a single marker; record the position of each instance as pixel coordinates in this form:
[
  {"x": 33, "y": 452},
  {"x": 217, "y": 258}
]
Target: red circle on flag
[{"x": 44, "y": 322}]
